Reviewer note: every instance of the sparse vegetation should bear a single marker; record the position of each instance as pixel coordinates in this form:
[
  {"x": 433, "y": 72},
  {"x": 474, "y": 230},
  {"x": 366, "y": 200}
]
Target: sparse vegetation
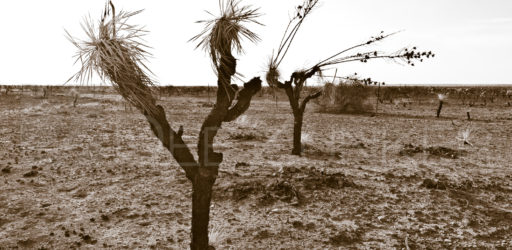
[
  {"x": 90, "y": 177},
  {"x": 349, "y": 170}
]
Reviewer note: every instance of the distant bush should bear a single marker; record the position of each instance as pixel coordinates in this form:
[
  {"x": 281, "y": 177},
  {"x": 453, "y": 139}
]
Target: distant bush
[{"x": 345, "y": 97}]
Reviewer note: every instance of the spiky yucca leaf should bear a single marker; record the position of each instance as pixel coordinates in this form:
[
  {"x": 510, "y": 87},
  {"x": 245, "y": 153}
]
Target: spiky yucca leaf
[
  {"x": 223, "y": 34},
  {"x": 115, "y": 50}
]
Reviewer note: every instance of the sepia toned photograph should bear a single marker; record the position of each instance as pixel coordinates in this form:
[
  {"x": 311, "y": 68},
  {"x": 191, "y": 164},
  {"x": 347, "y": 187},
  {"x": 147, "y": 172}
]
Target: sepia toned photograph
[{"x": 246, "y": 124}]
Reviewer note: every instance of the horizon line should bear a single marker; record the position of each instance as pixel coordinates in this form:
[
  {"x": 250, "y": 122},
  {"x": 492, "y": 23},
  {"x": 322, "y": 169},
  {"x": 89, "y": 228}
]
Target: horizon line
[{"x": 315, "y": 85}]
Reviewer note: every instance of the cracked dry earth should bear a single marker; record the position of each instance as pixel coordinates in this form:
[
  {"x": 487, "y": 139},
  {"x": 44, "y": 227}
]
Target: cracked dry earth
[{"x": 95, "y": 177}]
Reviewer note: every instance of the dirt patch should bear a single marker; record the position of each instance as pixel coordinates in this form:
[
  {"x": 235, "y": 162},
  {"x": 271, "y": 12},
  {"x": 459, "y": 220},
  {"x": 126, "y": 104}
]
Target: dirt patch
[
  {"x": 247, "y": 136},
  {"x": 444, "y": 183},
  {"x": 293, "y": 185},
  {"x": 346, "y": 236},
  {"x": 313, "y": 152},
  {"x": 106, "y": 172},
  {"x": 444, "y": 152}
]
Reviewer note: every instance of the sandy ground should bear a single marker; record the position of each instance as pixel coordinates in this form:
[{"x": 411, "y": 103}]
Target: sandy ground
[{"x": 94, "y": 177}]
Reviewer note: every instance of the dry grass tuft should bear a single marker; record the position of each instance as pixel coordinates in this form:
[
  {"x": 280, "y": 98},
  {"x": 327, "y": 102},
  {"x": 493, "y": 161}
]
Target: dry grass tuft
[
  {"x": 217, "y": 234},
  {"x": 115, "y": 50}
]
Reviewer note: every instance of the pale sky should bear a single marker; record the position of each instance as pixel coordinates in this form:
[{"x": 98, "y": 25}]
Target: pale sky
[{"x": 472, "y": 39}]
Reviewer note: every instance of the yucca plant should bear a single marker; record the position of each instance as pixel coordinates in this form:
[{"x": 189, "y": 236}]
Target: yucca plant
[
  {"x": 293, "y": 87},
  {"x": 463, "y": 133},
  {"x": 441, "y": 98},
  {"x": 464, "y": 136},
  {"x": 223, "y": 34},
  {"x": 114, "y": 49}
]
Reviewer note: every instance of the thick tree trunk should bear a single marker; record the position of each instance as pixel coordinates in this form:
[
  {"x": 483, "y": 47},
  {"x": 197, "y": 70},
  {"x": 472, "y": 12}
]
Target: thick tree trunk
[
  {"x": 201, "y": 198},
  {"x": 297, "y": 132}
]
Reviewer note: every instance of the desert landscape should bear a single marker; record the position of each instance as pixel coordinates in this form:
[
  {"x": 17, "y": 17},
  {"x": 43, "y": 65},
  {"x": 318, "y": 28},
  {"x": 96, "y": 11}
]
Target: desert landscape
[
  {"x": 250, "y": 124},
  {"x": 94, "y": 176}
]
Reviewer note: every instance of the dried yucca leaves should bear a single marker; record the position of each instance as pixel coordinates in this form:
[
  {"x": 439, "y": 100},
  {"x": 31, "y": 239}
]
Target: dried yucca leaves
[
  {"x": 224, "y": 33},
  {"x": 114, "y": 50},
  {"x": 272, "y": 75}
]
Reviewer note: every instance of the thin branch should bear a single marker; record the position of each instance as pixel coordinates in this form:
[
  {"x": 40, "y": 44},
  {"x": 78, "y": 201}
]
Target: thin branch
[
  {"x": 309, "y": 98},
  {"x": 372, "y": 40}
]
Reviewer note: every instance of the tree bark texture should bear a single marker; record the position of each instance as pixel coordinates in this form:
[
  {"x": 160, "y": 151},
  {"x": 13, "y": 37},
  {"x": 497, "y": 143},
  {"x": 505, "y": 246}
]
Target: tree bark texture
[{"x": 297, "y": 132}]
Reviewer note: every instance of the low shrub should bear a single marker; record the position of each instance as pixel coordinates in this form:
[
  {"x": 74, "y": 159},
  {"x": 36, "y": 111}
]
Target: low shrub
[{"x": 345, "y": 97}]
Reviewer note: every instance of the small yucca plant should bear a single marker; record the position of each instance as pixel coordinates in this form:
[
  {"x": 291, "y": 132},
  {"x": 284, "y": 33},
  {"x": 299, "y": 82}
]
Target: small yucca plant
[
  {"x": 115, "y": 50},
  {"x": 464, "y": 133},
  {"x": 464, "y": 136},
  {"x": 442, "y": 98},
  {"x": 217, "y": 234}
]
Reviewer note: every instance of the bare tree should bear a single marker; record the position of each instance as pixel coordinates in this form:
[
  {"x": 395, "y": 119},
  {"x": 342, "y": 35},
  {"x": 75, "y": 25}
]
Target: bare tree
[
  {"x": 298, "y": 78},
  {"x": 117, "y": 54},
  {"x": 295, "y": 84}
]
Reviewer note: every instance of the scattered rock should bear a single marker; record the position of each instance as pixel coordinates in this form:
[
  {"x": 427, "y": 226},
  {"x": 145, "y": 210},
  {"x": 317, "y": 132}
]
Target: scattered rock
[
  {"x": 297, "y": 224},
  {"x": 263, "y": 234},
  {"x": 241, "y": 164},
  {"x": 105, "y": 217},
  {"x": 80, "y": 193},
  {"x": 410, "y": 150},
  {"x": 6, "y": 170},
  {"x": 432, "y": 184},
  {"x": 32, "y": 173},
  {"x": 88, "y": 239}
]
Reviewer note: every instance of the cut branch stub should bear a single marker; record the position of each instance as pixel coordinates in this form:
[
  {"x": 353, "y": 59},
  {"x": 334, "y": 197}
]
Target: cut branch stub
[{"x": 244, "y": 99}]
